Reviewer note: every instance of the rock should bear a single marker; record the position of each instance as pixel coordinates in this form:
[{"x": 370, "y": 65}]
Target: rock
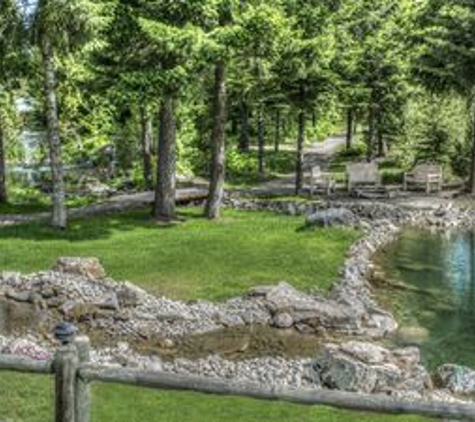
[
  {"x": 87, "y": 267},
  {"x": 17, "y": 296},
  {"x": 28, "y": 348},
  {"x": 369, "y": 368},
  {"x": 167, "y": 343},
  {"x": 283, "y": 320},
  {"x": 456, "y": 378},
  {"x": 68, "y": 307},
  {"x": 130, "y": 295},
  {"x": 331, "y": 217},
  {"x": 110, "y": 302}
]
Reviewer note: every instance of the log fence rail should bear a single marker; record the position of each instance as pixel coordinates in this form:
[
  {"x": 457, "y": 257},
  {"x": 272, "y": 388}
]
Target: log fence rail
[{"x": 73, "y": 374}]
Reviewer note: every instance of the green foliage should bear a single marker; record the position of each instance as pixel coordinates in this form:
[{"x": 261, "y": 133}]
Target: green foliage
[{"x": 436, "y": 130}]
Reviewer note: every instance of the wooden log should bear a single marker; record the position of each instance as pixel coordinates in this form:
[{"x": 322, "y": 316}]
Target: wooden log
[
  {"x": 65, "y": 366},
  {"x": 338, "y": 399},
  {"x": 26, "y": 365},
  {"x": 83, "y": 346}
]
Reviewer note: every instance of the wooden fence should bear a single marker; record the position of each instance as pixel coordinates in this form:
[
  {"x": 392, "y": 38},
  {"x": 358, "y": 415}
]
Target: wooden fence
[{"x": 73, "y": 374}]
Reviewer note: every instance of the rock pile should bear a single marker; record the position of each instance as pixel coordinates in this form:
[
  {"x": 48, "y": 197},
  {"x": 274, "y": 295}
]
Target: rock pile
[{"x": 369, "y": 368}]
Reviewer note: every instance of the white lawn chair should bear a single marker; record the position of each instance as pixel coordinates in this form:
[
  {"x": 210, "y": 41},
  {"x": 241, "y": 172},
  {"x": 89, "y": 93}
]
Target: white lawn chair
[{"x": 321, "y": 180}]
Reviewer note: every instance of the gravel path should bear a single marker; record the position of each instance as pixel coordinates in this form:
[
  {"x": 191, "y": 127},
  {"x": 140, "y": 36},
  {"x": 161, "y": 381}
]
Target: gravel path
[{"x": 319, "y": 153}]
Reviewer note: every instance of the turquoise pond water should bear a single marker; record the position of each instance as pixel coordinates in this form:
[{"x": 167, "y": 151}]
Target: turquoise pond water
[{"x": 428, "y": 281}]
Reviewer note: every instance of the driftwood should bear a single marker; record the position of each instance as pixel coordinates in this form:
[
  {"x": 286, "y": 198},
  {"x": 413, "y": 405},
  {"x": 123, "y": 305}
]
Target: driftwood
[{"x": 338, "y": 399}]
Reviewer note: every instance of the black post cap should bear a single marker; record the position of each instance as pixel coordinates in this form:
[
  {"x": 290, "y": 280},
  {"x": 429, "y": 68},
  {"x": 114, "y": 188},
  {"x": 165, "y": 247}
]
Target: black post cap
[{"x": 65, "y": 332}]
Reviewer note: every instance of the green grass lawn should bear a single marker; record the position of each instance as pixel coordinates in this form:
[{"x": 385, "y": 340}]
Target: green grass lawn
[{"x": 195, "y": 259}]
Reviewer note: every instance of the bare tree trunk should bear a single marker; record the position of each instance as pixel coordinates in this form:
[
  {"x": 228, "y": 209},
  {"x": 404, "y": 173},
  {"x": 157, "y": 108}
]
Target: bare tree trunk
[
  {"x": 165, "y": 208},
  {"x": 382, "y": 145},
  {"x": 370, "y": 134},
  {"x": 471, "y": 184},
  {"x": 3, "y": 170},
  {"x": 277, "y": 131},
  {"x": 300, "y": 153},
  {"x": 147, "y": 141},
  {"x": 349, "y": 128},
  {"x": 218, "y": 164},
  {"x": 261, "y": 154},
  {"x": 244, "y": 141},
  {"x": 60, "y": 218}
]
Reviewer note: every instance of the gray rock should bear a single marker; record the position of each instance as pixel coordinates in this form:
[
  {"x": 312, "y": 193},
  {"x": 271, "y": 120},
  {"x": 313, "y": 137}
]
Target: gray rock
[
  {"x": 109, "y": 302},
  {"x": 369, "y": 368},
  {"x": 283, "y": 320},
  {"x": 130, "y": 295},
  {"x": 332, "y": 217},
  {"x": 456, "y": 378},
  {"x": 87, "y": 267},
  {"x": 17, "y": 296}
]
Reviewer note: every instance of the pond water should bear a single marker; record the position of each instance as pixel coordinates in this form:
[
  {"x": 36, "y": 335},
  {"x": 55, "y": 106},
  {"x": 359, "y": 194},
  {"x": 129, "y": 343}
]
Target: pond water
[{"x": 428, "y": 281}]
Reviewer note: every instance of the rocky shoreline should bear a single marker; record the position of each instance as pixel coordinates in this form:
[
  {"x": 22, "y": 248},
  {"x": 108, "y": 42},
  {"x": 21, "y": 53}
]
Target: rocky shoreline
[{"x": 79, "y": 291}]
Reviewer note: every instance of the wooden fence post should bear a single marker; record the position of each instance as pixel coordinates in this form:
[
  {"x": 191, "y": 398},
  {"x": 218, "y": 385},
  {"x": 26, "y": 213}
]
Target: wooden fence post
[
  {"x": 65, "y": 366},
  {"x": 83, "y": 346}
]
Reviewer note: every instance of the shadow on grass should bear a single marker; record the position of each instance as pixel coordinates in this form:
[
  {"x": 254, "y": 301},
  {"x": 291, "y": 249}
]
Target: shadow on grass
[{"x": 93, "y": 228}]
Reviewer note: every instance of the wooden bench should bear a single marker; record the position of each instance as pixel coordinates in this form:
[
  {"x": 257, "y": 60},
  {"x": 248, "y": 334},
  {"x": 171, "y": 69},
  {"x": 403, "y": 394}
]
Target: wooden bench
[
  {"x": 430, "y": 176},
  {"x": 363, "y": 174},
  {"x": 321, "y": 180}
]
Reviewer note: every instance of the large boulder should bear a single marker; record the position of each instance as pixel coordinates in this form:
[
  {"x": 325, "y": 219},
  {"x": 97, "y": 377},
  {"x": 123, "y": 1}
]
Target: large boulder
[
  {"x": 369, "y": 368},
  {"x": 456, "y": 378},
  {"x": 86, "y": 267},
  {"x": 331, "y": 217},
  {"x": 289, "y": 306}
]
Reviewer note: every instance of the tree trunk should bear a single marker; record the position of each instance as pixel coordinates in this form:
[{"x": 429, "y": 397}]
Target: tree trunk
[
  {"x": 57, "y": 171},
  {"x": 277, "y": 131},
  {"x": 3, "y": 170},
  {"x": 471, "y": 185},
  {"x": 165, "y": 209},
  {"x": 147, "y": 141},
  {"x": 370, "y": 135},
  {"x": 382, "y": 145},
  {"x": 244, "y": 140},
  {"x": 300, "y": 153},
  {"x": 349, "y": 128},
  {"x": 218, "y": 164},
  {"x": 261, "y": 143}
]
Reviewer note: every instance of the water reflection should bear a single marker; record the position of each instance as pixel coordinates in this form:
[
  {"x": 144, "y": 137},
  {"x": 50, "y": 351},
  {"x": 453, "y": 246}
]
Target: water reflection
[{"x": 439, "y": 271}]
